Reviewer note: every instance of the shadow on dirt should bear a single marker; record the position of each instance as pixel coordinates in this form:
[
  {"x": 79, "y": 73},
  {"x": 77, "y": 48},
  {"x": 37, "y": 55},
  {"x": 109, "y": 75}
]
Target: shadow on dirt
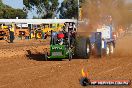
[{"x": 39, "y": 57}]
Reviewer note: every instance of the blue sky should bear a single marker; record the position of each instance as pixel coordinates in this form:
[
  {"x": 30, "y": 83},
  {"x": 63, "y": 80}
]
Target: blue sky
[{"x": 19, "y": 4}]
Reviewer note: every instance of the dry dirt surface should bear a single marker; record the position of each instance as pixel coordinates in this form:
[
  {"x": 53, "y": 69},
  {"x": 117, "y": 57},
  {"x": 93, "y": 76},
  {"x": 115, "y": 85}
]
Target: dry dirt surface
[{"x": 18, "y": 71}]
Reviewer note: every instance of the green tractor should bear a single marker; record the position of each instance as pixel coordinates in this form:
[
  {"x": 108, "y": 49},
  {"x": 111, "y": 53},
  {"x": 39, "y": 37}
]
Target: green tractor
[{"x": 66, "y": 44}]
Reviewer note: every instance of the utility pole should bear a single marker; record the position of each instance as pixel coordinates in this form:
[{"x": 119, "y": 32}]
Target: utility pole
[
  {"x": 78, "y": 14},
  {"x": 78, "y": 10}
]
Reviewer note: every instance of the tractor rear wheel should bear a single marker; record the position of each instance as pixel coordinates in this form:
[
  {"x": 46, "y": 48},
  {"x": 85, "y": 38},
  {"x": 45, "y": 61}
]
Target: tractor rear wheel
[{"x": 82, "y": 48}]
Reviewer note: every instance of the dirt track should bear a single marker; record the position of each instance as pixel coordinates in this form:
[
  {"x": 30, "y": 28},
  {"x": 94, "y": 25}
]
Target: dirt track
[{"x": 20, "y": 72}]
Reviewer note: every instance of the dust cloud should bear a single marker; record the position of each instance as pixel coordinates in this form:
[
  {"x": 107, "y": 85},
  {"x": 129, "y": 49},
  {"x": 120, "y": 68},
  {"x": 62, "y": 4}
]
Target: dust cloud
[{"x": 95, "y": 10}]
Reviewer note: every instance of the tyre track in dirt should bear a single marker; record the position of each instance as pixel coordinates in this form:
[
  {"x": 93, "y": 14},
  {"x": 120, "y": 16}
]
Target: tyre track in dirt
[
  {"x": 27, "y": 73},
  {"x": 67, "y": 74},
  {"x": 57, "y": 72}
]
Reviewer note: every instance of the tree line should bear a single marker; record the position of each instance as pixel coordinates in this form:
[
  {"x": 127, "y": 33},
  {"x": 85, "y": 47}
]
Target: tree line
[
  {"x": 50, "y": 8},
  {"x": 7, "y": 12},
  {"x": 92, "y": 9}
]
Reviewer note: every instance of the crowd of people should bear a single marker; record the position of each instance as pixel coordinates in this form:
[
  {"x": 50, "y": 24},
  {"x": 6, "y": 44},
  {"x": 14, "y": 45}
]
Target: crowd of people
[{"x": 38, "y": 33}]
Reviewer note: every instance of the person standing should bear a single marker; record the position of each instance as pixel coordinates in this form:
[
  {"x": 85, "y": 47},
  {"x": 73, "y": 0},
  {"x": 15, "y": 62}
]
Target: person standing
[
  {"x": 11, "y": 31},
  {"x": 36, "y": 32},
  {"x": 43, "y": 34}
]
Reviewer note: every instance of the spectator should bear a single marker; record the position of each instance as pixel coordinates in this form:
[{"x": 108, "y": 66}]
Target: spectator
[{"x": 11, "y": 31}]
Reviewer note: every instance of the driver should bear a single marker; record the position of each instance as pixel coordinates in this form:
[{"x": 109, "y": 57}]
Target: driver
[{"x": 60, "y": 38}]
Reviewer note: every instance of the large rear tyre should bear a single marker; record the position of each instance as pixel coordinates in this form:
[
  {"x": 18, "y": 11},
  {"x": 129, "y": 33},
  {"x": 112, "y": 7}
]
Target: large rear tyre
[{"x": 82, "y": 48}]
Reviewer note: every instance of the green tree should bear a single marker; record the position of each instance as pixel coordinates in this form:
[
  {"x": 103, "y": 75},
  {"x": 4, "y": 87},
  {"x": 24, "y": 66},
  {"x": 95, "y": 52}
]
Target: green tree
[
  {"x": 45, "y": 8},
  {"x": 68, "y": 9},
  {"x": 8, "y": 12}
]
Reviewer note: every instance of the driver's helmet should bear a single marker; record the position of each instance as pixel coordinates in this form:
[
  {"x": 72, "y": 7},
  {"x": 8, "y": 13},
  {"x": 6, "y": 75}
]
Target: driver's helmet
[{"x": 60, "y": 36}]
